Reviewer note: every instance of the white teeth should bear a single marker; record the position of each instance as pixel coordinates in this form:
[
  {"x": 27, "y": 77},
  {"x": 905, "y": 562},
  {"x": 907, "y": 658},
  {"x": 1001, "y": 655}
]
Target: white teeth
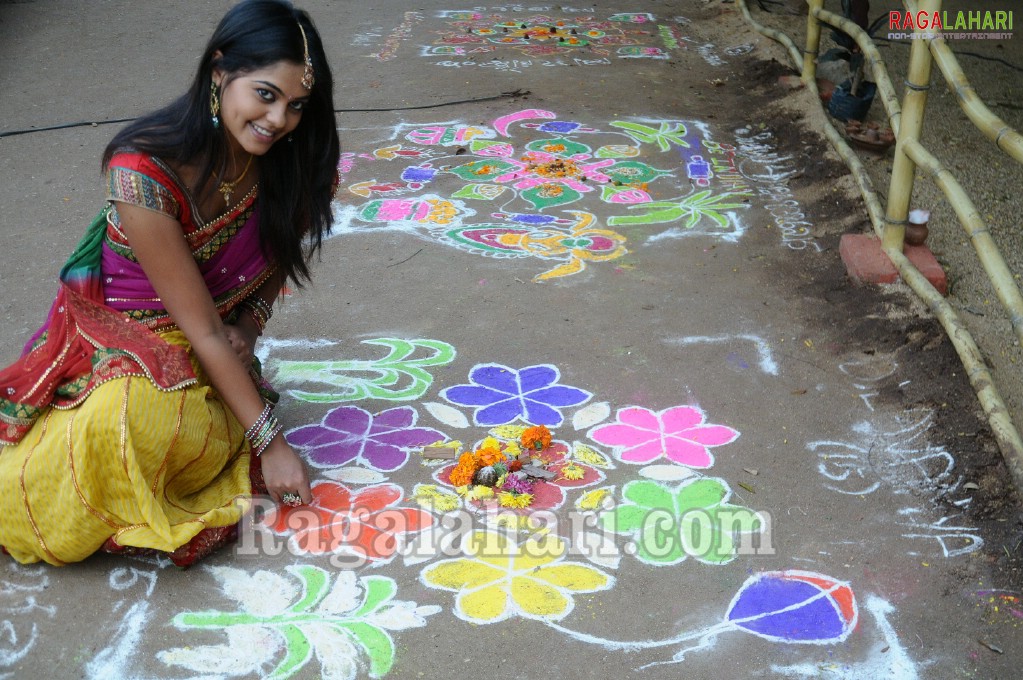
[{"x": 262, "y": 131}]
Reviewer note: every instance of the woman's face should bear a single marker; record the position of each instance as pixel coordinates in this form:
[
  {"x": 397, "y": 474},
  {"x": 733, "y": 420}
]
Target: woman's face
[{"x": 259, "y": 108}]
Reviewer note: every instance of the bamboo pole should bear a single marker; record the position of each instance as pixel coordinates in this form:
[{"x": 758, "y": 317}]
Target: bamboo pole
[
  {"x": 991, "y": 259},
  {"x": 900, "y": 190},
  {"x": 997, "y": 130},
  {"x": 774, "y": 34},
  {"x": 813, "y": 42}
]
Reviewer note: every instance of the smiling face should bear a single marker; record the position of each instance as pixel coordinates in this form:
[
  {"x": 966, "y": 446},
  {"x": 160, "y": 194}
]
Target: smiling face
[{"x": 260, "y": 107}]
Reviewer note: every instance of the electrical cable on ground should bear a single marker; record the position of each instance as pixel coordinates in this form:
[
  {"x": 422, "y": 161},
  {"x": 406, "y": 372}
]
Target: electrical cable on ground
[{"x": 96, "y": 123}]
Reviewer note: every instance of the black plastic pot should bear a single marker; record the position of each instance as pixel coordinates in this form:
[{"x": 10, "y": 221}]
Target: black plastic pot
[{"x": 844, "y": 105}]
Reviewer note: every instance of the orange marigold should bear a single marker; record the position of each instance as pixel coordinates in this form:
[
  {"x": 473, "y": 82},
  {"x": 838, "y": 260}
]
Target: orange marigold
[
  {"x": 462, "y": 475},
  {"x": 537, "y": 438},
  {"x": 490, "y": 456}
]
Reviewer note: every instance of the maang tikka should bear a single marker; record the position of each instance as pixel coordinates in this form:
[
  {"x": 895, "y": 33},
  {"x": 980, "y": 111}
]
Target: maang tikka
[
  {"x": 307, "y": 75},
  {"x": 214, "y": 104}
]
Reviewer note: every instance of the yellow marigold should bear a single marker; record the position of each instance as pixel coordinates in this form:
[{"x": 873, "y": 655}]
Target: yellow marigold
[
  {"x": 589, "y": 456},
  {"x": 507, "y": 499},
  {"x": 592, "y": 499},
  {"x": 428, "y": 496},
  {"x": 479, "y": 492},
  {"x": 572, "y": 471},
  {"x": 537, "y": 438}
]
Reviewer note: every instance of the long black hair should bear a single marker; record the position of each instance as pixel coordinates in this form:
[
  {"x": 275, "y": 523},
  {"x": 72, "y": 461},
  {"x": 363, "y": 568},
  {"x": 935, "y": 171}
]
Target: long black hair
[{"x": 296, "y": 178}]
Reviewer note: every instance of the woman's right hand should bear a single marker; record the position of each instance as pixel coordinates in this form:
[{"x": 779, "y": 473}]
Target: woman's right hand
[{"x": 284, "y": 472}]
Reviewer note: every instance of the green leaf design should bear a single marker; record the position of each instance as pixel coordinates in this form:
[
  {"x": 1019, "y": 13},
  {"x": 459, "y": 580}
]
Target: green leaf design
[
  {"x": 695, "y": 207},
  {"x": 550, "y": 194},
  {"x": 633, "y": 172},
  {"x": 480, "y": 192},
  {"x": 377, "y": 643},
  {"x": 483, "y": 170},
  {"x": 379, "y": 590},
  {"x": 497, "y": 148},
  {"x": 562, "y": 147},
  {"x": 344, "y": 379},
  {"x": 297, "y": 654},
  {"x": 316, "y": 584},
  {"x": 302, "y": 627},
  {"x": 664, "y": 136}
]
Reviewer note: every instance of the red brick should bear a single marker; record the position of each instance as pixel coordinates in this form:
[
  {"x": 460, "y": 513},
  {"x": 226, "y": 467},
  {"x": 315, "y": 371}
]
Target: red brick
[{"x": 866, "y": 262}]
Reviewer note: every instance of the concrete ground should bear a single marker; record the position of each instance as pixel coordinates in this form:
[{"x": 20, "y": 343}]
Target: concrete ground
[{"x": 673, "y": 306}]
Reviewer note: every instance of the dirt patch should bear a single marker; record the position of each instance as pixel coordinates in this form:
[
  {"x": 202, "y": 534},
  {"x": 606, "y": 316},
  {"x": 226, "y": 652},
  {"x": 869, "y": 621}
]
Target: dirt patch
[{"x": 889, "y": 321}]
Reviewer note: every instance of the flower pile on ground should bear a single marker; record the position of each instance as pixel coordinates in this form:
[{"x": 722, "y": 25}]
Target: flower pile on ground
[{"x": 521, "y": 468}]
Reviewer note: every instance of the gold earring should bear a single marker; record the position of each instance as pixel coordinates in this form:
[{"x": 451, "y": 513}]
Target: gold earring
[{"x": 214, "y": 104}]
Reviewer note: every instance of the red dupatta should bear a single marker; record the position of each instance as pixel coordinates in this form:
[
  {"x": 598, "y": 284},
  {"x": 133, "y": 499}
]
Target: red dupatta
[{"x": 87, "y": 339}]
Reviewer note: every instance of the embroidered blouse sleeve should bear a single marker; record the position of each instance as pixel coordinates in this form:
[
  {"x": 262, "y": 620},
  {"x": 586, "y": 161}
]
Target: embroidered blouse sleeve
[{"x": 133, "y": 180}]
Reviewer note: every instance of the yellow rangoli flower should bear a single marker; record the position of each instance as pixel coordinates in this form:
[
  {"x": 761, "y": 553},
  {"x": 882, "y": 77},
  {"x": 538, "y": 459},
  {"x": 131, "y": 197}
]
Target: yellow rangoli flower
[{"x": 499, "y": 579}]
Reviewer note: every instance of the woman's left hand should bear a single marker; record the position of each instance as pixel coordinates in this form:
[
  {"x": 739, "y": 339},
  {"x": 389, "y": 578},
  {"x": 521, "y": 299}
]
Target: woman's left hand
[{"x": 242, "y": 335}]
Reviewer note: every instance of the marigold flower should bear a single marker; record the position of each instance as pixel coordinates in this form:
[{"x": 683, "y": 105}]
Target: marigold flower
[
  {"x": 490, "y": 457},
  {"x": 572, "y": 471},
  {"x": 537, "y": 438},
  {"x": 514, "y": 500},
  {"x": 462, "y": 474},
  {"x": 478, "y": 493}
]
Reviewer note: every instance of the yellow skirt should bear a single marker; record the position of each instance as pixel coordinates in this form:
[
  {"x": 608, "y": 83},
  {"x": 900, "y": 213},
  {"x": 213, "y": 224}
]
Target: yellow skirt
[{"x": 149, "y": 468}]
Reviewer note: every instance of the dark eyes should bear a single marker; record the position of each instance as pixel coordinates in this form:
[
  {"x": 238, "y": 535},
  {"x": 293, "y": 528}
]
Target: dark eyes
[{"x": 268, "y": 96}]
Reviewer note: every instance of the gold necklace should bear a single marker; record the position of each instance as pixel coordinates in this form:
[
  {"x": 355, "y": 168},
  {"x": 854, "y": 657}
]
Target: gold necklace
[{"x": 227, "y": 188}]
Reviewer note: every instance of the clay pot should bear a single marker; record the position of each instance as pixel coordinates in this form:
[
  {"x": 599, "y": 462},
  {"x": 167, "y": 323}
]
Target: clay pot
[
  {"x": 870, "y": 136},
  {"x": 916, "y": 234},
  {"x": 916, "y": 228}
]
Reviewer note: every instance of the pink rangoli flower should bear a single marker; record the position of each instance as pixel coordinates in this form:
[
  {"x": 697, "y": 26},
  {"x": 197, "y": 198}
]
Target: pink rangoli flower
[{"x": 680, "y": 434}]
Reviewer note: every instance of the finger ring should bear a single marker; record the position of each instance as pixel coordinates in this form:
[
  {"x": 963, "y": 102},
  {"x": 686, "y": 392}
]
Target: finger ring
[{"x": 292, "y": 500}]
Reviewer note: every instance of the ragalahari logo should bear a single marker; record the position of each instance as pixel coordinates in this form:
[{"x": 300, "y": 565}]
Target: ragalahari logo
[{"x": 958, "y": 25}]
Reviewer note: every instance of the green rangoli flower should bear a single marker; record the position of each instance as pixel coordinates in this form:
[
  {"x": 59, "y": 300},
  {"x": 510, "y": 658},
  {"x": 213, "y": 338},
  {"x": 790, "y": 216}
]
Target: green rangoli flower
[{"x": 691, "y": 519}]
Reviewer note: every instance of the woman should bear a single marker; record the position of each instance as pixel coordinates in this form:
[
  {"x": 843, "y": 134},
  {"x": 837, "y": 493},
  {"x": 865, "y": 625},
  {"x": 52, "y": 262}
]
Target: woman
[{"x": 135, "y": 418}]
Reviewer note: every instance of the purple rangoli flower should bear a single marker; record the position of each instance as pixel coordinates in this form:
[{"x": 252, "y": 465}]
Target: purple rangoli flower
[
  {"x": 502, "y": 395},
  {"x": 349, "y": 433},
  {"x": 680, "y": 434}
]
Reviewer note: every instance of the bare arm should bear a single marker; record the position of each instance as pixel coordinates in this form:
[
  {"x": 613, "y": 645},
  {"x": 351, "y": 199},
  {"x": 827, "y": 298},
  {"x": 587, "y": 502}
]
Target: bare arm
[
  {"x": 242, "y": 334},
  {"x": 163, "y": 253}
]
